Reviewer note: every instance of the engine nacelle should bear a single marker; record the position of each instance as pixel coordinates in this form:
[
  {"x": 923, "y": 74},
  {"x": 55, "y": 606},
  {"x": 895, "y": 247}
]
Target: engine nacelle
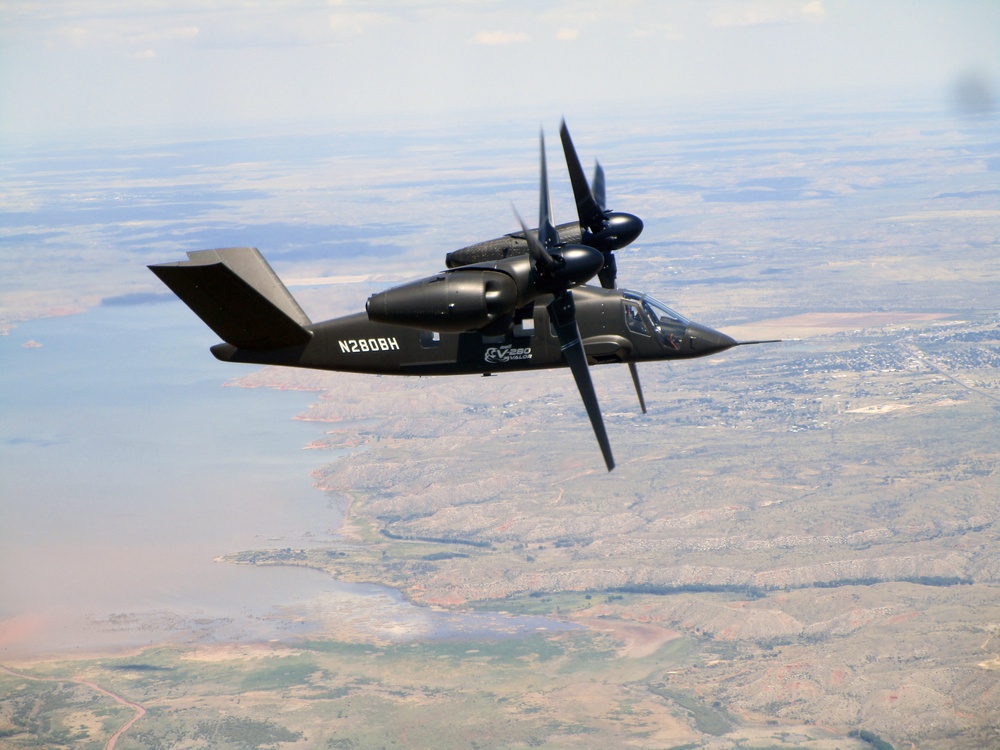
[
  {"x": 484, "y": 252},
  {"x": 456, "y": 301}
]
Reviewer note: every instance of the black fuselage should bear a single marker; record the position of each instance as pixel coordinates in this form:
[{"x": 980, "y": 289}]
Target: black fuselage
[{"x": 615, "y": 326}]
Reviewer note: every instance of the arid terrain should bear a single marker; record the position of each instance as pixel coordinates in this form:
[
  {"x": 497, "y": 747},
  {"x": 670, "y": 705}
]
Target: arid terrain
[
  {"x": 800, "y": 541},
  {"x": 821, "y": 513}
]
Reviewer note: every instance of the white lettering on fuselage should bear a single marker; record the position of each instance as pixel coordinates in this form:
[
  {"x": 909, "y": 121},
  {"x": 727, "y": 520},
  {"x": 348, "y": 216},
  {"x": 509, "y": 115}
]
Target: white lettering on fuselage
[
  {"x": 506, "y": 353},
  {"x": 356, "y": 346}
]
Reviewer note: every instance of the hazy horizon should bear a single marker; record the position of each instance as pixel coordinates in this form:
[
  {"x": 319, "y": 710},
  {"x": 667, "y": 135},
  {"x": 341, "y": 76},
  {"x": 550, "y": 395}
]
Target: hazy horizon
[{"x": 93, "y": 68}]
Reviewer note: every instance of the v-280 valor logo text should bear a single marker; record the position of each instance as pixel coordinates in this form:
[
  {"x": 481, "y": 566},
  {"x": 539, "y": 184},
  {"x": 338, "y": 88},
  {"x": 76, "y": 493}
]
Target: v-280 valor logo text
[{"x": 506, "y": 353}]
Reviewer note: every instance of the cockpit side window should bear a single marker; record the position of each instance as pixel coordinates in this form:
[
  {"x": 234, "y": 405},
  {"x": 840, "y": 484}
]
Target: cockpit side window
[{"x": 633, "y": 319}]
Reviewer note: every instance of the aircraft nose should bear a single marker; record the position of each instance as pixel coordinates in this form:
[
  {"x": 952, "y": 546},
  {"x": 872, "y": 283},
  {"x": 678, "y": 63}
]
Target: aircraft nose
[{"x": 704, "y": 340}]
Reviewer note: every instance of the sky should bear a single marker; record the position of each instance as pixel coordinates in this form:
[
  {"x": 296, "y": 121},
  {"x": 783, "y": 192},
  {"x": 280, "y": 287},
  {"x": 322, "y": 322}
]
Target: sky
[{"x": 107, "y": 68}]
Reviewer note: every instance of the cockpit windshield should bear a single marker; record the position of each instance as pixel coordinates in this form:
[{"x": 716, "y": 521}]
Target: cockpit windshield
[{"x": 660, "y": 314}]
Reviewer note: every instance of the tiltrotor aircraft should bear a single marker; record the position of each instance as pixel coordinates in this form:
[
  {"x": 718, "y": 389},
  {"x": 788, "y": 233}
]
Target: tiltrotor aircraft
[{"x": 519, "y": 302}]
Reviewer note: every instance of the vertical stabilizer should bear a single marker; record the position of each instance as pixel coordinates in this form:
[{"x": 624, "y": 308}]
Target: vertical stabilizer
[{"x": 238, "y": 295}]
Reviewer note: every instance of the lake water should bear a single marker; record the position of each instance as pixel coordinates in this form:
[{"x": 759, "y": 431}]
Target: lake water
[{"x": 126, "y": 467}]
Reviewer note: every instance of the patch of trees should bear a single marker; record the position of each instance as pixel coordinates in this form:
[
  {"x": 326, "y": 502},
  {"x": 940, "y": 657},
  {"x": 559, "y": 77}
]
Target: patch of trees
[
  {"x": 750, "y": 592},
  {"x": 434, "y": 539},
  {"x": 246, "y": 733},
  {"x": 871, "y": 738},
  {"x": 759, "y": 592},
  {"x": 435, "y": 556},
  {"x": 919, "y": 580}
]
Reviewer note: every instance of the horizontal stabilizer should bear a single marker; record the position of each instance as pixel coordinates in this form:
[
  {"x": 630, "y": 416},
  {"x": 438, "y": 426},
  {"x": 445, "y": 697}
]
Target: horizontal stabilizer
[{"x": 239, "y": 296}]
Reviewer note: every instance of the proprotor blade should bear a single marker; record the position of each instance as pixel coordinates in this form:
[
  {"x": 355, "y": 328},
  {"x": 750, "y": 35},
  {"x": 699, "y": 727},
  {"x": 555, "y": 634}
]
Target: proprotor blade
[
  {"x": 598, "y": 186},
  {"x": 562, "y": 313},
  {"x": 638, "y": 388},
  {"x": 543, "y": 261},
  {"x": 547, "y": 234},
  {"x": 589, "y": 210},
  {"x": 609, "y": 272}
]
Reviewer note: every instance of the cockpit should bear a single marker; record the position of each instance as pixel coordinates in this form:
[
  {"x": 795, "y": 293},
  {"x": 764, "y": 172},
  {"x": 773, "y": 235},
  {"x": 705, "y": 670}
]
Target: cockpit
[{"x": 649, "y": 317}]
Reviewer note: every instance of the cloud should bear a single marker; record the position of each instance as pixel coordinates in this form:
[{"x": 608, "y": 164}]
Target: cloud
[
  {"x": 149, "y": 40},
  {"x": 118, "y": 26},
  {"x": 355, "y": 23},
  {"x": 579, "y": 13},
  {"x": 567, "y": 34},
  {"x": 102, "y": 34},
  {"x": 814, "y": 9},
  {"x": 166, "y": 35},
  {"x": 660, "y": 31},
  {"x": 769, "y": 13},
  {"x": 500, "y": 37}
]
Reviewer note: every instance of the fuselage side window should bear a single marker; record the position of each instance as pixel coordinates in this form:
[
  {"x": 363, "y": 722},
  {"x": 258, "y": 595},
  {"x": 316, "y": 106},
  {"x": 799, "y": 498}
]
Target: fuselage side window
[
  {"x": 430, "y": 339},
  {"x": 525, "y": 327}
]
